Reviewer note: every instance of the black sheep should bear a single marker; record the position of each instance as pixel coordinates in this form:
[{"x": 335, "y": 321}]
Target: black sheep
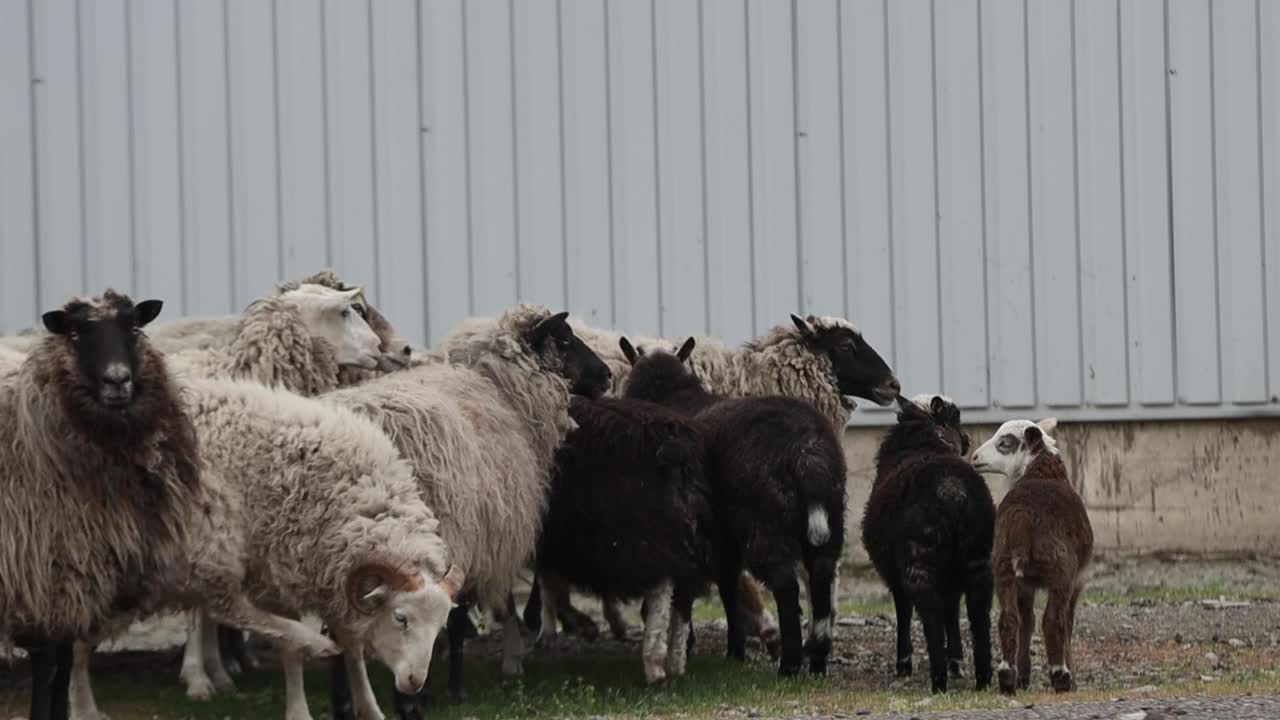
[
  {"x": 928, "y": 527},
  {"x": 777, "y": 476},
  {"x": 629, "y": 517}
]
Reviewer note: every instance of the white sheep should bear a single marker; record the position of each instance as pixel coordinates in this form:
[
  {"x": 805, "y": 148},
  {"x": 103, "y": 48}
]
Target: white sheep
[
  {"x": 481, "y": 432},
  {"x": 99, "y": 476}
]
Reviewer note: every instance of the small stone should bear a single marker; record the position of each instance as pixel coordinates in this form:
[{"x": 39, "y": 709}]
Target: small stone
[
  {"x": 852, "y": 622},
  {"x": 1212, "y": 658},
  {"x": 1236, "y": 643},
  {"x": 1132, "y": 716},
  {"x": 1144, "y": 689},
  {"x": 1014, "y": 704},
  {"x": 923, "y": 703},
  {"x": 1207, "y": 678}
]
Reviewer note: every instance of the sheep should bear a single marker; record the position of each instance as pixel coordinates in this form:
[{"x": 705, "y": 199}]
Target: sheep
[
  {"x": 823, "y": 360},
  {"x": 1043, "y": 540},
  {"x": 629, "y": 516},
  {"x": 481, "y": 432},
  {"x": 927, "y": 527},
  {"x": 10, "y": 362},
  {"x": 313, "y": 510},
  {"x": 94, "y": 427},
  {"x": 778, "y": 492},
  {"x": 202, "y": 333}
]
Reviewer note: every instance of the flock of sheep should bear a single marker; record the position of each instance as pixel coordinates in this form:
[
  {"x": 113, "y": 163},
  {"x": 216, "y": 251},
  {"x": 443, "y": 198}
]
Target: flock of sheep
[{"x": 300, "y": 458}]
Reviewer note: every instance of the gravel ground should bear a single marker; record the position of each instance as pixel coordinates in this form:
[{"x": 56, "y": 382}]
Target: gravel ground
[{"x": 1225, "y": 708}]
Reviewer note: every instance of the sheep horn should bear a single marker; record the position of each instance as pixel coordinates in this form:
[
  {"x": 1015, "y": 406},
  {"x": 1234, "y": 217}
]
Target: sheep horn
[
  {"x": 394, "y": 574},
  {"x": 452, "y": 581}
]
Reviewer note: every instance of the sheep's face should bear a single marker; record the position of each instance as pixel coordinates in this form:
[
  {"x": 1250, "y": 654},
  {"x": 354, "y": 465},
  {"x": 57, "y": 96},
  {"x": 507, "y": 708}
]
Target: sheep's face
[
  {"x": 402, "y": 614},
  {"x": 396, "y": 351},
  {"x": 338, "y": 317},
  {"x": 560, "y": 351},
  {"x": 103, "y": 335},
  {"x": 1012, "y": 448},
  {"x": 658, "y": 374},
  {"x": 943, "y": 412},
  {"x": 858, "y": 368}
]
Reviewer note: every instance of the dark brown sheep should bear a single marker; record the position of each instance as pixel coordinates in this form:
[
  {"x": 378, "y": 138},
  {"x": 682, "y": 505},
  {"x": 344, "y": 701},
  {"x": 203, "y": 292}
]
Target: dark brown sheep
[{"x": 1043, "y": 541}]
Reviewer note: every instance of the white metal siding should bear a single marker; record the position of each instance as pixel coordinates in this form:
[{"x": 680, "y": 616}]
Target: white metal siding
[{"x": 1034, "y": 206}]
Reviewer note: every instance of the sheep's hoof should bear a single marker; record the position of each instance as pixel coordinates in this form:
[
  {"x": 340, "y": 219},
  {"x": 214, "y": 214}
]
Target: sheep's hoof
[
  {"x": 938, "y": 685},
  {"x": 512, "y": 668},
  {"x": 618, "y": 630},
  {"x": 818, "y": 666},
  {"x": 1008, "y": 679},
  {"x": 233, "y": 667},
  {"x": 654, "y": 674},
  {"x": 200, "y": 689},
  {"x": 457, "y": 697},
  {"x": 904, "y": 667},
  {"x": 1061, "y": 681},
  {"x": 772, "y": 642},
  {"x": 589, "y": 631},
  {"x": 984, "y": 680},
  {"x": 223, "y": 683},
  {"x": 788, "y": 668},
  {"x": 955, "y": 669}
]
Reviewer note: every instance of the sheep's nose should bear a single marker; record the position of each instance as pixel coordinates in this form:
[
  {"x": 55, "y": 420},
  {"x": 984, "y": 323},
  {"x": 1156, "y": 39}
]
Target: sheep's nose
[
  {"x": 117, "y": 375},
  {"x": 892, "y": 385},
  {"x": 406, "y": 351}
]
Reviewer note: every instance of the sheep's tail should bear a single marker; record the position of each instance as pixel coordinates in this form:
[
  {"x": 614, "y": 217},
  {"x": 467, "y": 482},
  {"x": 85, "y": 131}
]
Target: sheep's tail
[{"x": 819, "y": 530}]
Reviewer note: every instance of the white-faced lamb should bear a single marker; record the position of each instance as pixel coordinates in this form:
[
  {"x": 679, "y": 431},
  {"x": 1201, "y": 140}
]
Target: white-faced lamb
[
  {"x": 927, "y": 527},
  {"x": 99, "y": 478},
  {"x": 822, "y": 360},
  {"x": 481, "y": 432},
  {"x": 777, "y": 474},
  {"x": 630, "y": 517},
  {"x": 1044, "y": 540}
]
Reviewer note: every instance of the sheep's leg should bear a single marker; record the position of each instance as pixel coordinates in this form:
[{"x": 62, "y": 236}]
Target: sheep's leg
[
  {"x": 199, "y": 686},
  {"x": 1009, "y": 626},
  {"x": 83, "y": 706},
  {"x": 549, "y": 622},
  {"x": 729, "y": 597},
  {"x": 678, "y": 632},
  {"x": 657, "y": 621},
  {"x": 235, "y": 646},
  {"x": 933, "y": 615},
  {"x": 533, "y": 608},
  {"x": 1071, "y": 629},
  {"x": 1054, "y": 623},
  {"x": 786, "y": 591},
  {"x": 955, "y": 642},
  {"x": 212, "y": 650},
  {"x": 512, "y": 642},
  {"x": 44, "y": 666},
  {"x": 238, "y": 611},
  {"x": 613, "y": 616},
  {"x": 756, "y": 613},
  {"x": 341, "y": 700},
  {"x": 1027, "y": 622},
  {"x": 978, "y": 604},
  {"x": 574, "y": 621},
  {"x": 821, "y": 598},
  {"x": 295, "y": 702},
  {"x": 902, "y": 608},
  {"x": 363, "y": 700},
  {"x": 457, "y": 638}
]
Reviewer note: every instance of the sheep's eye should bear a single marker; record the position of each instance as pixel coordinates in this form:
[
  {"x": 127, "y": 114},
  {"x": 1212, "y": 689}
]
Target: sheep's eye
[
  {"x": 1008, "y": 444},
  {"x": 346, "y": 312},
  {"x": 400, "y": 618},
  {"x": 361, "y": 311},
  {"x": 849, "y": 346}
]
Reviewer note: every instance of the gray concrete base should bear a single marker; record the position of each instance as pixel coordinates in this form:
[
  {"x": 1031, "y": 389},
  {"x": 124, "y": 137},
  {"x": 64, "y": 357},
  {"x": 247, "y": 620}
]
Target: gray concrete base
[{"x": 1186, "y": 486}]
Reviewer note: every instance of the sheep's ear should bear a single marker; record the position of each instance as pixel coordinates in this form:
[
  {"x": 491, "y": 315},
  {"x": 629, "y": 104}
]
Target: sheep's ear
[
  {"x": 351, "y": 293},
  {"x": 803, "y": 326},
  {"x": 57, "y": 322},
  {"x": 629, "y": 350},
  {"x": 937, "y": 404},
  {"x": 146, "y": 311},
  {"x": 1048, "y": 425},
  {"x": 1034, "y": 437},
  {"x": 452, "y": 582},
  {"x": 685, "y": 350},
  {"x": 544, "y": 328}
]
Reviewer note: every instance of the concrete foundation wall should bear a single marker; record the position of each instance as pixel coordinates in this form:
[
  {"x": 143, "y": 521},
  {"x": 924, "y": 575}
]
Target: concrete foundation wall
[{"x": 1191, "y": 486}]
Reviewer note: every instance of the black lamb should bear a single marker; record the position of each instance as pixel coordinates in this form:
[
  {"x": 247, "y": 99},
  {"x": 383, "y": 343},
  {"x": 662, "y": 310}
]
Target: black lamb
[
  {"x": 777, "y": 476},
  {"x": 928, "y": 527},
  {"x": 629, "y": 516}
]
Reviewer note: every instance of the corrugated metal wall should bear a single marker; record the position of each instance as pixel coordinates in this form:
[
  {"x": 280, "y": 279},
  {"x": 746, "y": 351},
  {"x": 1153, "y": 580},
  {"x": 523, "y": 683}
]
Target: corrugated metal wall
[{"x": 1030, "y": 205}]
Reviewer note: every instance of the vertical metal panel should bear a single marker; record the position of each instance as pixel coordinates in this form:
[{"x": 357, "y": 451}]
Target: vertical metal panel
[
  {"x": 868, "y": 243},
  {"x": 157, "y": 180},
  {"x": 584, "y": 70},
  {"x": 19, "y": 306},
  {"x": 539, "y": 180},
  {"x": 1146, "y": 200},
  {"x": 1239, "y": 202},
  {"x": 490, "y": 151},
  {"x": 634, "y": 173},
  {"x": 913, "y": 178},
  {"x": 1194, "y": 237},
  {"x": 958, "y": 129},
  {"x": 206, "y": 202},
  {"x": 1051, "y": 107},
  {"x": 444, "y": 166},
  {"x": 678, "y": 88},
  {"x": 107, "y": 178},
  {"x": 251, "y": 69},
  {"x": 1269, "y": 83},
  {"x": 58, "y": 135},
  {"x": 730, "y": 273},
  {"x": 1103, "y": 309},
  {"x": 398, "y": 158},
  {"x": 771, "y": 99},
  {"x": 303, "y": 151},
  {"x": 818, "y": 158},
  {"x": 349, "y": 124},
  {"x": 1007, "y": 202}
]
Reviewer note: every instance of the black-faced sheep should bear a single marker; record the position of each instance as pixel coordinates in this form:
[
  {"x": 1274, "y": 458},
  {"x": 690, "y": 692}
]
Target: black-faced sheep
[
  {"x": 928, "y": 527},
  {"x": 481, "y": 432},
  {"x": 822, "y": 360},
  {"x": 630, "y": 517},
  {"x": 93, "y": 427},
  {"x": 1044, "y": 540},
  {"x": 777, "y": 475}
]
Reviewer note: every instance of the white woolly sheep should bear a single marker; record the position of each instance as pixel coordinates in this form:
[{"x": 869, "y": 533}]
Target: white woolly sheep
[
  {"x": 481, "y": 432},
  {"x": 95, "y": 429}
]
